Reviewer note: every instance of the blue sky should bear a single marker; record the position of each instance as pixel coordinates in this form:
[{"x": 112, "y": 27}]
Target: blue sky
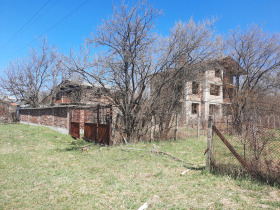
[{"x": 15, "y": 40}]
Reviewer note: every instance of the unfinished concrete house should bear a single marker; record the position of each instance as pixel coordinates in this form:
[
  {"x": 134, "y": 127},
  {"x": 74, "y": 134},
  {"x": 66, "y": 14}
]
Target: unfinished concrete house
[
  {"x": 208, "y": 90},
  {"x": 199, "y": 90}
]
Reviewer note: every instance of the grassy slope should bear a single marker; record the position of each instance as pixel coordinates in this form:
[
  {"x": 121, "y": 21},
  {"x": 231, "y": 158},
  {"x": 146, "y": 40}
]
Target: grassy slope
[{"x": 43, "y": 169}]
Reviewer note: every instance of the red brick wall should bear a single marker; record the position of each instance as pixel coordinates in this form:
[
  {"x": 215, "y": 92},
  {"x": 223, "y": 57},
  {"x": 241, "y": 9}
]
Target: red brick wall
[
  {"x": 46, "y": 117},
  {"x": 77, "y": 115},
  {"x": 63, "y": 99},
  {"x": 56, "y": 116},
  {"x": 60, "y": 117},
  {"x": 23, "y": 115}
]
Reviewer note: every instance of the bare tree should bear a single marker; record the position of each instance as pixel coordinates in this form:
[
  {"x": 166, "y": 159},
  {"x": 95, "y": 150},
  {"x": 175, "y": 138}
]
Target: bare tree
[
  {"x": 258, "y": 54},
  {"x": 131, "y": 55},
  {"x": 185, "y": 50},
  {"x": 32, "y": 78}
]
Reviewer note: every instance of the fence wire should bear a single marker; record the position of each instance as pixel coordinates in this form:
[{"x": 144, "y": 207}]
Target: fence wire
[
  {"x": 256, "y": 143},
  {"x": 176, "y": 128}
]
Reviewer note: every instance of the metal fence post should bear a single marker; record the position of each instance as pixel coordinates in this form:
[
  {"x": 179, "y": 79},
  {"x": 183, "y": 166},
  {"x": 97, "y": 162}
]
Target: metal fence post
[{"x": 209, "y": 143}]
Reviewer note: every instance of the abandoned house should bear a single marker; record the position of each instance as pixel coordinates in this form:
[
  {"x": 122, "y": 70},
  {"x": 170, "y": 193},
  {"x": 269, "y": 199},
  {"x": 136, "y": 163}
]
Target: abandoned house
[
  {"x": 209, "y": 92},
  {"x": 71, "y": 92},
  {"x": 76, "y": 108},
  {"x": 207, "y": 88}
]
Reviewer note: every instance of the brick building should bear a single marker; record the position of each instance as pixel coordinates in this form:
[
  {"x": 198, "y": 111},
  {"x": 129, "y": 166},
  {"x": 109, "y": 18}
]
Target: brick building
[
  {"x": 72, "y": 92},
  {"x": 76, "y": 108}
]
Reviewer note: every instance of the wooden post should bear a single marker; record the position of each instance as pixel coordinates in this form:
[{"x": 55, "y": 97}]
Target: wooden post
[
  {"x": 124, "y": 139},
  {"x": 152, "y": 128},
  {"x": 176, "y": 127},
  {"x": 209, "y": 143},
  {"x": 198, "y": 124}
]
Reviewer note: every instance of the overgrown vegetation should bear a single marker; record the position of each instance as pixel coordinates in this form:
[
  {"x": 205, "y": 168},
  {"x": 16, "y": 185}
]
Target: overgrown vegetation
[{"x": 44, "y": 169}]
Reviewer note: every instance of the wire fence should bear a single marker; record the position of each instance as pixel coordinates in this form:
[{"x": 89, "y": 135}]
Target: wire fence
[
  {"x": 174, "y": 127},
  {"x": 256, "y": 141}
]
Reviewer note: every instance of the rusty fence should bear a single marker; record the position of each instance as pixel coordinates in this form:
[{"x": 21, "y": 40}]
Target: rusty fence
[
  {"x": 75, "y": 122},
  {"x": 98, "y": 124},
  {"x": 95, "y": 122},
  {"x": 251, "y": 147}
]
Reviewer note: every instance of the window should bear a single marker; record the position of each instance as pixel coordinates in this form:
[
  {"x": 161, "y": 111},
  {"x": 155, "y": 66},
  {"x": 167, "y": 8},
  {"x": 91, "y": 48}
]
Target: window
[
  {"x": 215, "y": 90},
  {"x": 195, "y": 87},
  {"x": 195, "y": 108},
  {"x": 213, "y": 109},
  {"x": 217, "y": 73},
  {"x": 58, "y": 96}
]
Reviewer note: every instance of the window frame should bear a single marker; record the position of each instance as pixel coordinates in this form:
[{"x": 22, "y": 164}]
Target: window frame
[
  {"x": 218, "y": 73},
  {"x": 195, "y": 87},
  {"x": 195, "y": 108},
  {"x": 216, "y": 89}
]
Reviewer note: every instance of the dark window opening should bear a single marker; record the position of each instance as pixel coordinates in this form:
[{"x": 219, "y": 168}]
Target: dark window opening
[
  {"x": 215, "y": 90},
  {"x": 217, "y": 73},
  {"x": 58, "y": 96},
  {"x": 195, "y": 87},
  {"x": 195, "y": 108}
]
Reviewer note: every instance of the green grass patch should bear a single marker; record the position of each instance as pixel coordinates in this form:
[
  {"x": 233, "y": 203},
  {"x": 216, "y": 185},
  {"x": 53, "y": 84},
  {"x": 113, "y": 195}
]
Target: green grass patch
[{"x": 43, "y": 169}]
